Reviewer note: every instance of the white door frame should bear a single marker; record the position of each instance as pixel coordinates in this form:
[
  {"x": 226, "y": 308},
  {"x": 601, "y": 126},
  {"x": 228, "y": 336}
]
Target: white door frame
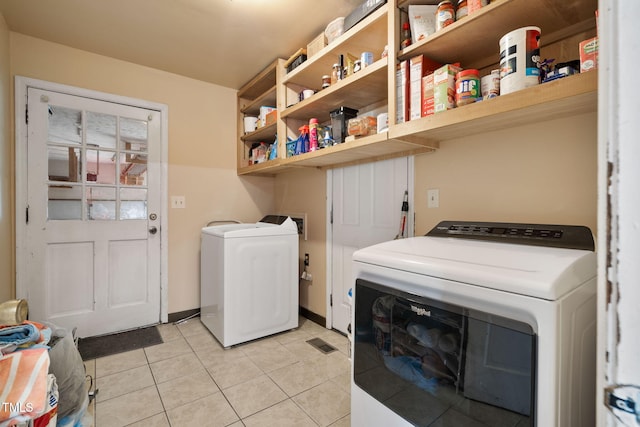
[
  {"x": 618, "y": 214},
  {"x": 329, "y": 238},
  {"x": 21, "y": 86}
]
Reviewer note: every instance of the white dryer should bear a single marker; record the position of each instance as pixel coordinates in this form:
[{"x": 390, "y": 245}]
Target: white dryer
[{"x": 249, "y": 279}]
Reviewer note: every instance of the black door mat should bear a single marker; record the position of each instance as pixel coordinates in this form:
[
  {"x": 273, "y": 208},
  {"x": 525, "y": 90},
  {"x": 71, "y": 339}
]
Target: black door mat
[
  {"x": 322, "y": 345},
  {"x": 106, "y": 345}
]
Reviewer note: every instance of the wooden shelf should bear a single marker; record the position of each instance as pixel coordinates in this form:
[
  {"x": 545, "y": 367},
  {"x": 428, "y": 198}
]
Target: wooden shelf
[
  {"x": 265, "y": 134},
  {"x": 364, "y": 149},
  {"x": 261, "y": 83},
  {"x": 252, "y": 108},
  {"x": 268, "y": 168},
  {"x": 560, "y": 98},
  {"x": 262, "y": 90},
  {"x": 369, "y": 35},
  {"x": 474, "y": 40},
  {"x": 363, "y": 88}
]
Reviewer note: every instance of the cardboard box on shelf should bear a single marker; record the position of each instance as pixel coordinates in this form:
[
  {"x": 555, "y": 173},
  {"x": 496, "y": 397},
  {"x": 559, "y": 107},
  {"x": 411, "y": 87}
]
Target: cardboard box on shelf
[
  {"x": 444, "y": 87},
  {"x": 316, "y": 45},
  {"x": 271, "y": 118},
  {"x": 474, "y": 5},
  {"x": 419, "y": 66},
  {"x": 589, "y": 55},
  {"x": 428, "y": 103},
  {"x": 264, "y": 110},
  {"x": 402, "y": 92}
]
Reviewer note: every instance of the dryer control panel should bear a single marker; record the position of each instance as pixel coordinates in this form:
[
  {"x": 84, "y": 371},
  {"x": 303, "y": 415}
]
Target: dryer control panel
[{"x": 556, "y": 236}]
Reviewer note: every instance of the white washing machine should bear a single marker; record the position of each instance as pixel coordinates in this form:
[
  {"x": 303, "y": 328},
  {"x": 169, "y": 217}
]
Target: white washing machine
[
  {"x": 249, "y": 279},
  {"x": 476, "y": 324}
]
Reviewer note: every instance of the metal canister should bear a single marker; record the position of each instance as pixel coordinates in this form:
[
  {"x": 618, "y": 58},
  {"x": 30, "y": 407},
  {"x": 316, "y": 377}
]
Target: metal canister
[
  {"x": 366, "y": 59},
  {"x": 13, "y": 312},
  {"x": 445, "y": 14},
  {"x": 461, "y": 10},
  {"x": 326, "y": 81}
]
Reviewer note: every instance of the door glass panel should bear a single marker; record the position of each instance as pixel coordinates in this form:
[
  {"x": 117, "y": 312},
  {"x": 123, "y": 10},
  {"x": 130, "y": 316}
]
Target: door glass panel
[
  {"x": 65, "y": 125},
  {"x": 92, "y": 164},
  {"x": 101, "y": 130},
  {"x": 437, "y": 364},
  {"x": 101, "y": 203},
  {"x": 101, "y": 167},
  {"x": 133, "y": 203},
  {"x": 133, "y": 135},
  {"x": 65, "y": 202},
  {"x": 133, "y": 169},
  {"x": 63, "y": 163}
]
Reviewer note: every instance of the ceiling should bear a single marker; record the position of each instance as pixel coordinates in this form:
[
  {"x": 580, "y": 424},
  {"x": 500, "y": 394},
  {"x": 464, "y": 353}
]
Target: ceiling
[{"x": 225, "y": 42}]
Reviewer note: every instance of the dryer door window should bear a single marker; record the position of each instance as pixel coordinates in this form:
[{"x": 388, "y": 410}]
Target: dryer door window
[{"x": 433, "y": 362}]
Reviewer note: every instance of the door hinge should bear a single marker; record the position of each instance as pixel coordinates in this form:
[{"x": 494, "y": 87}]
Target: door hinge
[
  {"x": 27, "y": 214},
  {"x": 330, "y": 300},
  {"x": 26, "y": 114},
  {"x": 331, "y": 216}
]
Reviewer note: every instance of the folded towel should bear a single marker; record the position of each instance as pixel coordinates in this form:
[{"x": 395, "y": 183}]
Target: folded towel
[
  {"x": 23, "y": 385},
  {"x": 25, "y": 335}
]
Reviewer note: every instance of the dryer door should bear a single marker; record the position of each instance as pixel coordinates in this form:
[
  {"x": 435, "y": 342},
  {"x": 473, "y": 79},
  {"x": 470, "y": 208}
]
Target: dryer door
[{"x": 427, "y": 360}]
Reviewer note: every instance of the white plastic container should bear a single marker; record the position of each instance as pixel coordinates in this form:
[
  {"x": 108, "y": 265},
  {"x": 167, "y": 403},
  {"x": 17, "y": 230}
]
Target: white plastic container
[
  {"x": 519, "y": 58},
  {"x": 334, "y": 29},
  {"x": 250, "y": 124}
]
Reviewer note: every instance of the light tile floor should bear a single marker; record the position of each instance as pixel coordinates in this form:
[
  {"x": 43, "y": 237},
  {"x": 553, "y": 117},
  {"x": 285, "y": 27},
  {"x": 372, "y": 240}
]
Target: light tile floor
[{"x": 190, "y": 380}]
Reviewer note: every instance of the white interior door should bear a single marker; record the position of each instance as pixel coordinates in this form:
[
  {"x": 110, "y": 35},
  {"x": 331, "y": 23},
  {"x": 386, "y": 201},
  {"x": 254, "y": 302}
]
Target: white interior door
[
  {"x": 366, "y": 202},
  {"x": 93, "y": 229}
]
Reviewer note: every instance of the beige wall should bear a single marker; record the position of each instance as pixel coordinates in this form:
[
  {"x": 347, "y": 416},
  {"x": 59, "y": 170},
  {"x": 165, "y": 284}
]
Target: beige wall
[
  {"x": 539, "y": 173},
  {"x": 6, "y": 182},
  {"x": 305, "y": 191},
  {"x": 202, "y": 148}
]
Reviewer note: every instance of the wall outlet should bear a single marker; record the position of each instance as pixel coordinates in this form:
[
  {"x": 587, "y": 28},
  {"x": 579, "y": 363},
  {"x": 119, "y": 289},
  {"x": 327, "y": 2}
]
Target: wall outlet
[
  {"x": 178, "y": 202},
  {"x": 433, "y": 198}
]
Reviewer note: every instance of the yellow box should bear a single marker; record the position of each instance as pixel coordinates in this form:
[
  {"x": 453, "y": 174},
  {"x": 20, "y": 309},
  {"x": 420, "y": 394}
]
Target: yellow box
[{"x": 316, "y": 45}]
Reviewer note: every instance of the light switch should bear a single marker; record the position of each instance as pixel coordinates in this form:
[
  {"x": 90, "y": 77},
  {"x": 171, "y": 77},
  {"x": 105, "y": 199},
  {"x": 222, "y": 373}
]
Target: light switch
[{"x": 433, "y": 198}]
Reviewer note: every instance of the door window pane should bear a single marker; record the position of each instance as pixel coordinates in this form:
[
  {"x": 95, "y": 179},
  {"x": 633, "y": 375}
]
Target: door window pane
[
  {"x": 133, "y": 203},
  {"x": 133, "y": 135},
  {"x": 65, "y": 125},
  {"x": 63, "y": 163},
  {"x": 133, "y": 169},
  {"x": 101, "y": 130},
  {"x": 101, "y": 203},
  {"x": 65, "y": 202},
  {"x": 101, "y": 167}
]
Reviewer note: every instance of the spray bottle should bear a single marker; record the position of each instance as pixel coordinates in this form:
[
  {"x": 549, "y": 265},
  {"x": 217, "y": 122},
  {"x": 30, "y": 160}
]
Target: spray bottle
[{"x": 302, "y": 144}]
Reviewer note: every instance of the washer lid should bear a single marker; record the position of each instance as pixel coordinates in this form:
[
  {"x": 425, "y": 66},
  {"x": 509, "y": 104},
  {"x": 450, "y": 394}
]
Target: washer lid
[
  {"x": 536, "y": 271},
  {"x": 252, "y": 229}
]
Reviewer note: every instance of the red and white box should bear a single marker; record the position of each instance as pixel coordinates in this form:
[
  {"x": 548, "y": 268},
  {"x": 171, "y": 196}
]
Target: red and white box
[
  {"x": 419, "y": 66},
  {"x": 428, "y": 103},
  {"x": 402, "y": 92},
  {"x": 444, "y": 87},
  {"x": 589, "y": 55}
]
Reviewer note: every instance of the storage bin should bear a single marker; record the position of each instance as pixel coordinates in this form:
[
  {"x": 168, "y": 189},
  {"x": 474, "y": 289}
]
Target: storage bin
[{"x": 339, "y": 119}]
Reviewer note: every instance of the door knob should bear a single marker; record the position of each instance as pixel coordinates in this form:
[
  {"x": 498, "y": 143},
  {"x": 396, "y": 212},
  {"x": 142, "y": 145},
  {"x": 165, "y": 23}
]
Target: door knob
[{"x": 153, "y": 230}]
